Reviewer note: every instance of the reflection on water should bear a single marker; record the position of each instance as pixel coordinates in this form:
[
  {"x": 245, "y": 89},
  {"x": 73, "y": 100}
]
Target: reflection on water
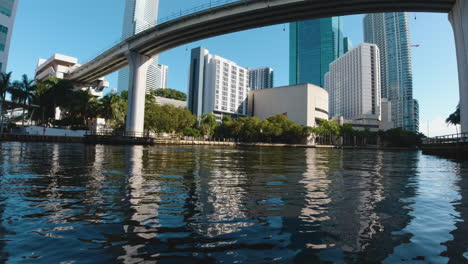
[{"x": 65, "y": 203}]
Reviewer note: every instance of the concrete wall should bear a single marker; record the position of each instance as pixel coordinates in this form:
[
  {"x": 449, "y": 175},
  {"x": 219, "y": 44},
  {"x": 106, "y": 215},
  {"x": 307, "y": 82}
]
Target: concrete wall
[
  {"x": 36, "y": 130},
  {"x": 459, "y": 19},
  {"x": 298, "y": 102}
]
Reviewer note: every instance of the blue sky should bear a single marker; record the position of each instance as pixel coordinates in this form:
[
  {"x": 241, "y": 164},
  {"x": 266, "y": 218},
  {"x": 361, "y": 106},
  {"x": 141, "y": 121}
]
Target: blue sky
[{"x": 74, "y": 28}]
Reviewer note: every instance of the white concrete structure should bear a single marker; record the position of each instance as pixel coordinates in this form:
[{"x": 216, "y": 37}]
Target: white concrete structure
[
  {"x": 459, "y": 19},
  {"x": 261, "y": 78},
  {"x": 303, "y": 103},
  {"x": 217, "y": 85},
  {"x": 7, "y": 21},
  {"x": 353, "y": 84},
  {"x": 243, "y": 15},
  {"x": 167, "y": 101},
  {"x": 56, "y": 66},
  {"x": 161, "y": 78},
  {"x": 39, "y": 130},
  {"x": 59, "y": 65},
  {"x": 139, "y": 16},
  {"x": 373, "y": 125}
]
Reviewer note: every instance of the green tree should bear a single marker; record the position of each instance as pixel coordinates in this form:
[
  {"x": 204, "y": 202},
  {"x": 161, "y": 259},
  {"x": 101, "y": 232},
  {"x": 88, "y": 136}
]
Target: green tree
[
  {"x": 169, "y": 93},
  {"x": 79, "y": 109},
  {"x": 398, "y": 137},
  {"x": 250, "y": 131},
  {"x": 208, "y": 124},
  {"x": 113, "y": 109}
]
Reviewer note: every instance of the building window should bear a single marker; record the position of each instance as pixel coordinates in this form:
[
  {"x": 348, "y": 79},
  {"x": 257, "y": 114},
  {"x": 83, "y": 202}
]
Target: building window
[
  {"x": 3, "y": 37},
  {"x": 6, "y": 7}
]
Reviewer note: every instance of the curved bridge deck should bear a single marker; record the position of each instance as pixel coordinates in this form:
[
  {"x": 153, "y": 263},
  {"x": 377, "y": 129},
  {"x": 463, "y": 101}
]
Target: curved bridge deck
[{"x": 238, "y": 16}]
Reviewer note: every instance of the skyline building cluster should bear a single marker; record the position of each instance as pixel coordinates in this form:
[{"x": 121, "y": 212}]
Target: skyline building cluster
[
  {"x": 372, "y": 81},
  {"x": 141, "y": 15},
  {"x": 318, "y": 49}
]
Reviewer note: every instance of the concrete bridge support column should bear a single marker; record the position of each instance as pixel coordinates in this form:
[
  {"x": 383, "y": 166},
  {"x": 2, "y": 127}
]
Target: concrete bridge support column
[
  {"x": 459, "y": 19},
  {"x": 138, "y": 66}
]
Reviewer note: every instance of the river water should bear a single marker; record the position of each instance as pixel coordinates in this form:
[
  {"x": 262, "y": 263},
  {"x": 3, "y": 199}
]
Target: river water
[{"x": 73, "y": 203}]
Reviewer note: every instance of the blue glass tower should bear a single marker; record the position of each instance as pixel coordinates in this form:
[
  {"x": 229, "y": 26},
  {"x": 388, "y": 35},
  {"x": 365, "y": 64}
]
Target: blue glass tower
[
  {"x": 390, "y": 32},
  {"x": 314, "y": 44}
]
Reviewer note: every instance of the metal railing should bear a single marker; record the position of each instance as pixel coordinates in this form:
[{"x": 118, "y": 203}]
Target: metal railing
[
  {"x": 106, "y": 132},
  {"x": 172, "y": 16},
  {"x": 196, "y": 9},
  {"x": 448, "y": 139}
]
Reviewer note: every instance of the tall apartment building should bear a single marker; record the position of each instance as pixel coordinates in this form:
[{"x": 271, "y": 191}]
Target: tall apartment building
[
  {"x": 216, "y": 85},
  {"x": 390, "y": 32},
  {"x": 7, "y": 20},
  {"x": 314, "y": 44},
  {"x": 157, "y": 78},
  {"x": 347, "y": 44},
  {"x": 261, "y": 78},
  {"x": 141, "y": 15},
  {"x": 353, "y": 84}
]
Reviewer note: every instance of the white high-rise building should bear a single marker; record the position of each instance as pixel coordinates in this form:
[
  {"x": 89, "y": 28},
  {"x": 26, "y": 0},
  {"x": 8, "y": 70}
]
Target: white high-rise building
[
  {"x": 162, "y": 76},
  {"x": 261, "y": 78},
  {"x": 141, "y": 15},
  {"x": 7, "y": 20},
  {"x": 217, "y": 85},
  {"x": 353, "y": 84},
  {"x": 157, "y": 77}
]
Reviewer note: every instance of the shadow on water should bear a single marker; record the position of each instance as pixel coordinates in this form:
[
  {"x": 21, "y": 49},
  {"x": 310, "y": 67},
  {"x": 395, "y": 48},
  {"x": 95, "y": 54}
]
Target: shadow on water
[{"x": 129, "y": 204}]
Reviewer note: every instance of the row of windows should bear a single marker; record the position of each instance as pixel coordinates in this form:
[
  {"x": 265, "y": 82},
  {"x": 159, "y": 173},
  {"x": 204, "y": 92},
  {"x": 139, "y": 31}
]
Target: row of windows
[{"x": 6, "y": 7}]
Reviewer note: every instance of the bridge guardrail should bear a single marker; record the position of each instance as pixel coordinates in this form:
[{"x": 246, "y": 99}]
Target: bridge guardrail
[
  {"x": 447, "y": 139},
  {"x": 173, "y": 16}
]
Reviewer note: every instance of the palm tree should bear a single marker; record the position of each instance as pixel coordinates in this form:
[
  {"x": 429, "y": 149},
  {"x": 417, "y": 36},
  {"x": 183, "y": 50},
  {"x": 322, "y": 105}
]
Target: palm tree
[
  {"x": 113, "y": 108},
  {"x": 454, "y": 118},
  {"x": 5, "y": 85},
  {"x": 28, "y": 87},
  {"x": 51, "y": 94},
  {"x": 22, "y": 93}
]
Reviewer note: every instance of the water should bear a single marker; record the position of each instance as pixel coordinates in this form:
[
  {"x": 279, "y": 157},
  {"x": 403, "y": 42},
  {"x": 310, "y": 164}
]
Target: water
[{"x": 66, "y": 203}]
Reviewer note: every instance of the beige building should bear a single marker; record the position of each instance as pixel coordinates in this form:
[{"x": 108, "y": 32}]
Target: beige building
[{"x": 303, "y": 103}]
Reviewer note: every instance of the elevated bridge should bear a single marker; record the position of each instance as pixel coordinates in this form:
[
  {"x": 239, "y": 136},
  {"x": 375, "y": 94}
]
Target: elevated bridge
[{"x": 137, "y": 51}]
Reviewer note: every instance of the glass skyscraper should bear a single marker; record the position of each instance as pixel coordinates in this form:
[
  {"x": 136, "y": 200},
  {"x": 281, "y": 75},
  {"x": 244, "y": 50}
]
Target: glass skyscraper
[
  {"x": 139, "y": 16},
  {"x": 314, "y": 44},
  {"x": 390, "y": 32},
  {"x": 7, "y": 19}
]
